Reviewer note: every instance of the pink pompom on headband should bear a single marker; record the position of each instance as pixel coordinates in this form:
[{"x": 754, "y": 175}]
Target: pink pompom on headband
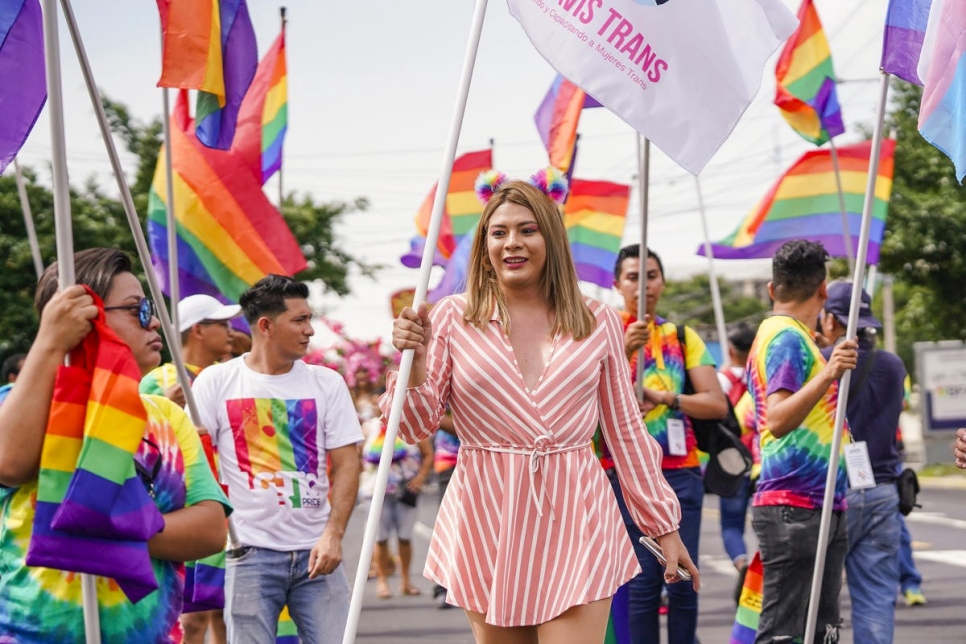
[{"x": 550, "y": 180}]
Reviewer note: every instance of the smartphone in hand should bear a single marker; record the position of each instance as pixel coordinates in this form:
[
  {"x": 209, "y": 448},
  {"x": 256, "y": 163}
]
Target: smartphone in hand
[{"x": 656, "y": 550}]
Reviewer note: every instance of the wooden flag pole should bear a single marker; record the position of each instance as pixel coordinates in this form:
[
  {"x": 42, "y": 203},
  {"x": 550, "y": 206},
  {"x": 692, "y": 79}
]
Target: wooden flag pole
[
  {"x": 843, "y": 401},
  {"x": 643, "y": 185},
  {"x": 65, "y": 242},
  {"x": 28, "y": 221},
  {"x": 846, "y": 232},
  {"x": 405, "y": 366}
]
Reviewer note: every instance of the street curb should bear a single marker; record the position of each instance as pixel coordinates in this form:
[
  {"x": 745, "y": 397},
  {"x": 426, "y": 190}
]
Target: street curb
[{"x": 954, "y": 482}]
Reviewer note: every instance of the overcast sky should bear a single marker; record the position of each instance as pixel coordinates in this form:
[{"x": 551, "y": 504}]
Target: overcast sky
[{"x": 372, "y": 88}]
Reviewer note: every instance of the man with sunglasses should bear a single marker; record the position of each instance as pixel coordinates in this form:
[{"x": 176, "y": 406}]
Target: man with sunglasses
[
  {"x": 277, "y": 422},
  {"x": 206, "y": 336}
]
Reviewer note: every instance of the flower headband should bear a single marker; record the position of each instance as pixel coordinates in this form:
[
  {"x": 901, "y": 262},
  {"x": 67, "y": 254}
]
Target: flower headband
[{"x": 550, "y": 180}]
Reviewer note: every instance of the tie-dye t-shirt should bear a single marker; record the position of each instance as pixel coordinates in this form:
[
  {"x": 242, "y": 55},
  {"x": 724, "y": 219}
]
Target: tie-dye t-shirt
[
  {"x": 272, "y": 433},
  {"x": 664, "y": 366},
  {"x": 44, "y": 605},
  {"x": 165, "y": 376},
  {"x": 446, "y": 450},
  {"x": 793, "y": 467}
]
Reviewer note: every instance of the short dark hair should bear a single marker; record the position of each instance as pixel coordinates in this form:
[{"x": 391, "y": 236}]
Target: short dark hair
[
  {"x": 798, "y": 269},
  {"x": 94, "y": 267},
  {"x": 11, "y": 367},
  {"x": 742, "y": 336},
  {"x": 267, "y": 296},
  {"x": 634, "y": 250}
]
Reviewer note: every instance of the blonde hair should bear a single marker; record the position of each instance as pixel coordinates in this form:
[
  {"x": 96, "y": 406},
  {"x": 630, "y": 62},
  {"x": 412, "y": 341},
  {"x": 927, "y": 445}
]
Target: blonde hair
[{"x": 558, "y": 283}]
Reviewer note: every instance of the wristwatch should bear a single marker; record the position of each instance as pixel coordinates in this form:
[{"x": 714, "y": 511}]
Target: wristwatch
[{"x": 676, "y": 405}]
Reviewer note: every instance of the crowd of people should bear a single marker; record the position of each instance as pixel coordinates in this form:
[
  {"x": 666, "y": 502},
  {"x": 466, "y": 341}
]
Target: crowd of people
[{"x": 554, "y": 471}]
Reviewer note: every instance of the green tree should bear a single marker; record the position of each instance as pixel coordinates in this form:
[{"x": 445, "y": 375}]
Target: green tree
[
  {"x": 924, "y": 246},
  {"x": 689, "y": 302}
]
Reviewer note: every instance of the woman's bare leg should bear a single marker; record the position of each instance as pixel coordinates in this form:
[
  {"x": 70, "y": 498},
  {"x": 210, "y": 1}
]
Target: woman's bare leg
[
  {"x": 382, "y": 559},
  {"x": 485, "y": 633},
  {"x": 585, "y": 624}
]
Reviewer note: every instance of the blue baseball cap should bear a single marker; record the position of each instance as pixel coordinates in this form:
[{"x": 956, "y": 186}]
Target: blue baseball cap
[{"x": 839, "y": 301}]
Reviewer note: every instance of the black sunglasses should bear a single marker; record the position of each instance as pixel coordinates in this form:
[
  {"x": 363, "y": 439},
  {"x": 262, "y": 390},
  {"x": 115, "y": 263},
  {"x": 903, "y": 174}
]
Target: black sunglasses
[
  {"x": 147, "y": 477},
  {"x": 145, "y": 309}
]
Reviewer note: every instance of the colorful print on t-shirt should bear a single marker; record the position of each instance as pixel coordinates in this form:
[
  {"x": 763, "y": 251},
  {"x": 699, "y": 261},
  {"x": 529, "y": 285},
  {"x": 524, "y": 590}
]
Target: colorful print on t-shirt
[
  {"x": 793, "y": 467},
  {"x": 276, "y": 446}
]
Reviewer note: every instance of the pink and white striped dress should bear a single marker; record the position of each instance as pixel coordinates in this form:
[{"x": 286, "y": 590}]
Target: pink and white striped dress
[{"x": 529, "y": 525}]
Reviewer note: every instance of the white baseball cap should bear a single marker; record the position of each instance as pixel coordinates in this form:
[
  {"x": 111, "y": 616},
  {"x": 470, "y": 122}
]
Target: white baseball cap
[{"x": 196, "y": 308}]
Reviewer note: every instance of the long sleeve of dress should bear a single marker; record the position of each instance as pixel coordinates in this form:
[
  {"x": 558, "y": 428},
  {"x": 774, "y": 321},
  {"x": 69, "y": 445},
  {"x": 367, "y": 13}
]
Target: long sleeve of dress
[
  {"x": 637, "y": 456},
  {"x": 425, "y": 405}
]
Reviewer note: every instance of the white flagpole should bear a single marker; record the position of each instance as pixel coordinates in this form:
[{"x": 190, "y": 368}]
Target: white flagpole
[
  {"x": 174, "y": 295},
  {"x": 65, "y": 241},
  {"x": 850, "y": 333},
  {"x": 643, "y": 186},
  {"x": 719, "y": 319},
  {"x": 846, "y": 233},
  {"x": 405, "y": 366},
  {"x": 28, "y": 221}
]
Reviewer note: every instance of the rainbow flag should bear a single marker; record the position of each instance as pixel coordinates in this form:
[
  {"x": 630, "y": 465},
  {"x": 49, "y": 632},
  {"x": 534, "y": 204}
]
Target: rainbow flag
[
  {"x": 263, "y": 117},
  {"x": 595, "y": 214},
  {"x": 557, "y": 119},
  {"x": 210, "y": 47},
  {"x": 286, "y": 632},
  {"x": 229, "y": 235},
  {"x": 942, "y": 66},
  {"x": 805, "y": 81},
  {"x": 373, "y": 449},
  {"x": 23, "y": 84},
  {"x": 93, "y": 513},
  {"x": 619, "y": 620},
  {"x": 905, "y": 28},
  {"x": 804, "y": 204},
  {"x": 204, "y": 582},
  {"x": 749, "y": 605}
]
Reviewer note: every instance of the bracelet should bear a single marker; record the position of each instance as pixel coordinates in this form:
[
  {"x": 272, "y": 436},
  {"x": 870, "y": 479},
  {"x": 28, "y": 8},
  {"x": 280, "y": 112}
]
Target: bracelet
[{"x": 676, "y": 405}]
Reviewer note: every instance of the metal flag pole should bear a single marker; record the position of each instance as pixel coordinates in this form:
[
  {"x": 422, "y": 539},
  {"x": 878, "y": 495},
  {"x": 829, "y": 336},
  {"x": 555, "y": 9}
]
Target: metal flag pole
[
  {"x": 406, "y": 364},
  {"x": 719, "y": 319},
  {"x": 281, "y": 192},
  {"x": 28, "y": 221},
  {"x": 174, "y": 280},
  {"x": 65, "y": 241},
  {"x": 850, "y": 333},
  {"x": 846, "y": 233},
  {"x": 643, "y": 185}
]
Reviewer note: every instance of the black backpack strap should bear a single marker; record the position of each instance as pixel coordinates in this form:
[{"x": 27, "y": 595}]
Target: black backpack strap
[
  {"x": 863, "y": 375},
  {"x": 688, "y": 387}
]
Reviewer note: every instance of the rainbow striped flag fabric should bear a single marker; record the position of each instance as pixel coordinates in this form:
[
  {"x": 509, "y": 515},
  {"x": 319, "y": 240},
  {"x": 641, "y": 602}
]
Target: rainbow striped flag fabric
[
  {"x": 557, "y": 119},
  {"x": 804, "y": 204},
  {"x": 595, "y": 214},
  {"x": 229, "y": 235},
  {"x": 905, "y": 28},
  {"x": 210, "y": 47},
  {"x": 94, "y": 515},
  {"x": 749, "y": 605},
  {"x": 805, "y": 81},
  {"x": 23, "y": 84},
  {"x": 942, "y": 68},
  {"x": 263, "y": 118},
  {"x": 204, "y": 581},
  {"x": 286, "y": 632}
]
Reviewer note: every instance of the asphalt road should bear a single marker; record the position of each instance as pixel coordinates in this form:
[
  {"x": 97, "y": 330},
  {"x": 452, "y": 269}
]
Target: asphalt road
[{"x": 938, "y": 529}]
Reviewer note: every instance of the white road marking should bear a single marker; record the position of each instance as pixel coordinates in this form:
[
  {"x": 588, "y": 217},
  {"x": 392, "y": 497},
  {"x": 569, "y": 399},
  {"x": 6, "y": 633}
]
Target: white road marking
[
  {"x": 422, "y": 530},
  {"x": 935, "y": 518},
  {"x": 948, "y": 557}
]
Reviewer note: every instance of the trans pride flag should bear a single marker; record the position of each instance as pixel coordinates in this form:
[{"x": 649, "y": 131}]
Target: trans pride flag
[
  {"x": 93, "y": 513},
  {"x": 23, "y": 85},
  {"x": 263, "y": 118},
  {"x": 557, "y": 119},
  {"x": 942, "y": 67},
  {"x": 805, "y": 81},
  {"x": 209, "y": 46},
  {"x": 595, "y": 214},
  {"x": 804, "y": 204},
  {"x": 229, "y": 235}
]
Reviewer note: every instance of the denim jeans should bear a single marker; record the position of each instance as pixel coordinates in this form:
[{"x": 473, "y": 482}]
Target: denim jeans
[
  {"x": 909, "y": 575},
  {"x": 645, "y": 589},
  {"x": 787, "y": 539},
  {"x": 872, "y": 563},
  {"x": 259, "y": 582},
  {"x": 733, "y": 510}
]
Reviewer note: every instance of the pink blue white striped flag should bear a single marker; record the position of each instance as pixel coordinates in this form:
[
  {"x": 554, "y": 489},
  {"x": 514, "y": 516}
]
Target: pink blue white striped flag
[
  {"x": 23, "y": 84},
  {"x": 905, "y": 28},
  {"x": 942, "y": 67}
]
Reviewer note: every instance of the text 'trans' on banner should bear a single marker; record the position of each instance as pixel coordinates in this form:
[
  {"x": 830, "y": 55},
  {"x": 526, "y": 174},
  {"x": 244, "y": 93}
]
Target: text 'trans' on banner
[{"x": 681, "y": 72}]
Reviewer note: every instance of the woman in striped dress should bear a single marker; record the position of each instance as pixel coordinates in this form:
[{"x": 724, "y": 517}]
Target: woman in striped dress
[{"x": 529, "y": 539}]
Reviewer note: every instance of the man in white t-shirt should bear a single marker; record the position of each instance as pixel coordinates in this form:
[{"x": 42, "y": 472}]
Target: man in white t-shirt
[{"x": 276, "y": 421}]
